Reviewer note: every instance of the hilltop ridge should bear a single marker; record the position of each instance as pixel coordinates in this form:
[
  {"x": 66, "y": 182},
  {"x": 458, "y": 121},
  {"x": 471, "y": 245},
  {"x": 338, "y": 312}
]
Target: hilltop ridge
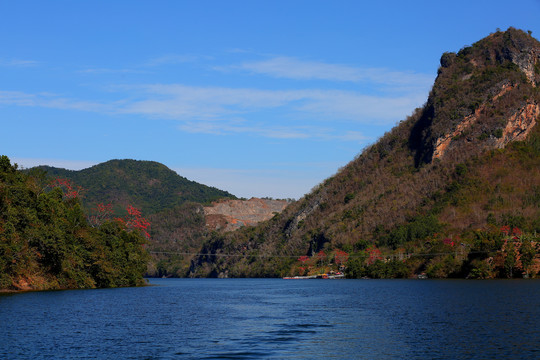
[
  {"x": 149, "y": 185},
  {"x": 484, "y": 97}
]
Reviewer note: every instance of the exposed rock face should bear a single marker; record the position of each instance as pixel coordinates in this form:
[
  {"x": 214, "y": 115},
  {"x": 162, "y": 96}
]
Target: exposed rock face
[
  {"x": 230, "y": 215},
  {"x": 520, "y": 124},
  {"x": 485, "y": 97}
]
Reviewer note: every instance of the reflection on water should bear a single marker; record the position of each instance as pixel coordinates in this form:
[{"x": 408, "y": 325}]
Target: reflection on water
[{"x": 277, "y": 319}]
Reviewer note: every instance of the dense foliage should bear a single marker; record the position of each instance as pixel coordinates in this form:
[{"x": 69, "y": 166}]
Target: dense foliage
[{"x": 46, "y": 241}]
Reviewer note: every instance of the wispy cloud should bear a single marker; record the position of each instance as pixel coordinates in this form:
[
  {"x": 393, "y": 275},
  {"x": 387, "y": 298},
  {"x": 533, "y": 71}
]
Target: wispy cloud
[
  {"x": 310, "y": 111},
  {"x": 174, "y": 59},
  {"x": 293, "y": 68},
  {"x": 18, "y": 63},
  {"x": 235, "y": 127},
  {"x": 219, "y": 110},
  {"x": 188, "y": 103},
  {"x": 143, "y": 67},
  {"x": 110, "y": 71},
  {"x": 261, "y": 129},
  {"x": 49, "y": 100}
]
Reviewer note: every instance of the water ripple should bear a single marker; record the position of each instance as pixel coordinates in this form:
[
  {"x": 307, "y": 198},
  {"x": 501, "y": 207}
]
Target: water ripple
[{"x": 275, "y": 319}]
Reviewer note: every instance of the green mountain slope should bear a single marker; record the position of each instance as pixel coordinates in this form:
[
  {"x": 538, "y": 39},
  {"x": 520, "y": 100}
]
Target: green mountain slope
[
  {"x": 172, "y": 204},
  {"x": 431, "y": 195},
  {"x": 148, "y": 185}
]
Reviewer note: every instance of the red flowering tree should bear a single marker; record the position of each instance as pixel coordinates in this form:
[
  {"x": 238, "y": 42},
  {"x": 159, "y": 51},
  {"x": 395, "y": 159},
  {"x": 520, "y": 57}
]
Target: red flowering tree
[
  {"x": 374, "y": 254},
  {"x": 132, "y": 221},
  {"x": 341, "y": 257},
  {"x": 100, "y": 214},
  {"x": 302, "y": 259},
  {"x": 70, "y": 190},
  {"x": 448, "y": 241}
]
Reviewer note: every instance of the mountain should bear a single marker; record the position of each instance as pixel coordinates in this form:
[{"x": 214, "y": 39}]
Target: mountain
[
  {"x": 171, "y": 203},
  {"x": 148, "y": 185},
  {"x": 451, "y": 191}
]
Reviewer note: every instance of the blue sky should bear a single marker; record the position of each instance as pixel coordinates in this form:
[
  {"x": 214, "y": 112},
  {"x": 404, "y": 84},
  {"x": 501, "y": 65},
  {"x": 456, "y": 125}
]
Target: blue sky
[{"x": 260, "y": 98}]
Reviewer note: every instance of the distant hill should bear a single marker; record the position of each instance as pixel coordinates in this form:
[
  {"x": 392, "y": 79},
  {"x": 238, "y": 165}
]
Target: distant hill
[
  {"x": 172, "y": 204},
  {"x": 451, "y": 191},
  {"x": 148, "y": 185}
]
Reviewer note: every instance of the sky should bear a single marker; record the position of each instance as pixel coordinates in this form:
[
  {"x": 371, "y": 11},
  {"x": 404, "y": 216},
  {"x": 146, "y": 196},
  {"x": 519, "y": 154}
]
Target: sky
[{"x": 259, "y": 98}]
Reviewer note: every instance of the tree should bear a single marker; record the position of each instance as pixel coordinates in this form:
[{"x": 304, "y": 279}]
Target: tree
[
  {"x": 528, "y": 252},
  {"x": 341, "y": 257},
  {"x": 510, "y": 259},
  {"x": 321, "y": 257}
]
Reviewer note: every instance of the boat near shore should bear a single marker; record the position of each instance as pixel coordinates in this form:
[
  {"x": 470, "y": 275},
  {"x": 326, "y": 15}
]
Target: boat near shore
[{"x": 319, "y": 276}]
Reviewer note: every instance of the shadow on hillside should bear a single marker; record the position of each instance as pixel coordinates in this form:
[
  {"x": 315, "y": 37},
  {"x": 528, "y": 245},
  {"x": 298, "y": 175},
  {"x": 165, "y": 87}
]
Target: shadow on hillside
[{"x": 420, "y": 139}]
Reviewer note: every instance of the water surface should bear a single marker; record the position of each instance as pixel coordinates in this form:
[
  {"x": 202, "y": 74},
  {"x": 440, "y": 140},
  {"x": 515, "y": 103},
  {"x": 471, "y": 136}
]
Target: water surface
[{"x": 277, "y": 319}]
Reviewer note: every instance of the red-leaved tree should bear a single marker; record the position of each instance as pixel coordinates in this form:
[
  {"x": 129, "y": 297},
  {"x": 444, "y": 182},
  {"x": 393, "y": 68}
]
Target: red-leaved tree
[
  {"x": 132, "y": 221},
  {"x": 69, "y": 189},
  {"x": 341, "y": 257},
  {"x": 374, "y": 254}
]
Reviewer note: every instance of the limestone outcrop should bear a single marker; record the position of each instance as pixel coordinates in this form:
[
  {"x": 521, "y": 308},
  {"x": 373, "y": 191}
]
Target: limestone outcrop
[
  {"x": 485, "y": 97},
  {"x": 228, "y": 215}
]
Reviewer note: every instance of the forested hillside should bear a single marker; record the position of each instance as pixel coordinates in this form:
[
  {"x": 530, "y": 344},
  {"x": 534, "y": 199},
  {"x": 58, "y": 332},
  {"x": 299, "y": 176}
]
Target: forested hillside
[
  {"x": 451, "y": 191},
  {"x": 148, "y": 185},
  {"x": 172, "y": 204},
  {"x": 47, "y": 241}
]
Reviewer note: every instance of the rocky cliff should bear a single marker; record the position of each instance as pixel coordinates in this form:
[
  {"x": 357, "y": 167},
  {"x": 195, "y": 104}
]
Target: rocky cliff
[
  {"x": 485, "y": 97},
  {"x": 228, "y": 215}
]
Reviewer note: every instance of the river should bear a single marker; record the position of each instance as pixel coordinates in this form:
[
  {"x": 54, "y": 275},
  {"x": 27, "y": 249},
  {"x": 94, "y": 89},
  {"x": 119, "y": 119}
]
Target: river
[{"x": 277, "y": 319}]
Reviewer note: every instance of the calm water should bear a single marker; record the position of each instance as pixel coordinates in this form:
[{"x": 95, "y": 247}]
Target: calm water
[{"x": 277, "y": 319}]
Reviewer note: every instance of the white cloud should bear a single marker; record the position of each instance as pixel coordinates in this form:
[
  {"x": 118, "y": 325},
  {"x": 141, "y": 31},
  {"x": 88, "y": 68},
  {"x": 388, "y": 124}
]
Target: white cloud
[
  {"x": 191, "y": 103},
  {"x": 239, "y": 127},
  {"x": 18, "y": 63},
  {"x": 110, "y": 71},
  {"x": 174, "y": 59},
  {"x": 292, "y": 68},
  {"x": 17, "y": 98},
  {"x": 49, "y": 100},
  {"x": 352, "y": 106},
  {"x": 220, "y": 110},
  {"x": 294, "y": 113}
]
